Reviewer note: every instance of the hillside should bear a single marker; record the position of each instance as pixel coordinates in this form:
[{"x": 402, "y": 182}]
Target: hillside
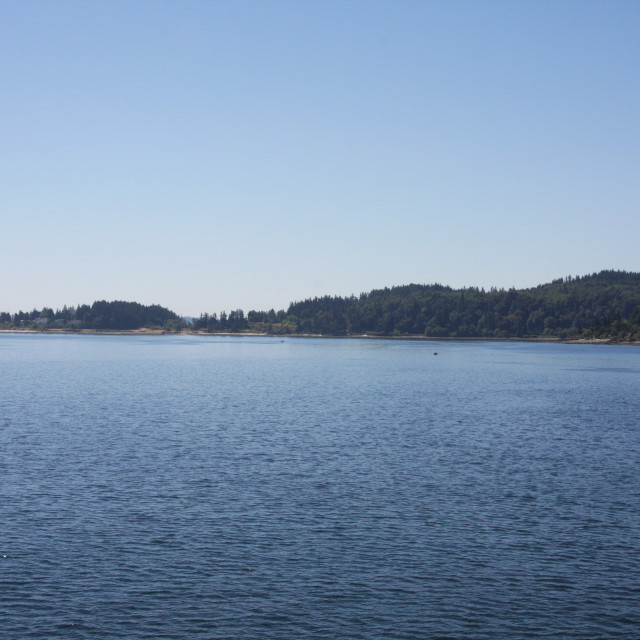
[
  {"x": 100, "y": 316},
  {"x": 605, "y": 304}
]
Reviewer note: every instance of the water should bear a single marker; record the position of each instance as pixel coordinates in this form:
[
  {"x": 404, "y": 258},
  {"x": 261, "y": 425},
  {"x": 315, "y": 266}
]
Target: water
[{"x": 241, "y": 488}]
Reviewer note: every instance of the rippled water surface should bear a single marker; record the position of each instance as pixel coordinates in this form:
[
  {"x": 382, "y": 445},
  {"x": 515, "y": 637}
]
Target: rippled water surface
[{"x": 242, "y": 488}]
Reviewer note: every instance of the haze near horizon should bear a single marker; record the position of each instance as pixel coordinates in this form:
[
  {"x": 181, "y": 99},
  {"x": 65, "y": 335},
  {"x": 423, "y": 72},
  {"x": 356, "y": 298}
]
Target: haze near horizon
[{"x": 208, "y": 156}]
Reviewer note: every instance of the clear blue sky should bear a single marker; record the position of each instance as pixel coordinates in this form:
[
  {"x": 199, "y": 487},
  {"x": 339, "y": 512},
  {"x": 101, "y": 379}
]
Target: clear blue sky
[{"x": 221, "y": 155}]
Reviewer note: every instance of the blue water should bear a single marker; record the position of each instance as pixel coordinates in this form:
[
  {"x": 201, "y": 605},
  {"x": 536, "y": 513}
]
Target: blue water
[{"x": 242, "y": 488}]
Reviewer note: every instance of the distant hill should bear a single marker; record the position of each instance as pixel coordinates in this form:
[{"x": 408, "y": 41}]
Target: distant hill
[
  {"x": 600, "y": 305},
  {"x": 100, "y": 316},
  {"x": 605, "y": 304}
]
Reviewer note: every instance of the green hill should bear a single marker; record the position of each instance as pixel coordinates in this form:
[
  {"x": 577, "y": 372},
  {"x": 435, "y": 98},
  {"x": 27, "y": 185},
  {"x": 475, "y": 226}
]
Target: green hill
[
  {"x": 100, "y": 316},
  {"x": 601, "y": 305},
  {"x": 605, "y": 304}
]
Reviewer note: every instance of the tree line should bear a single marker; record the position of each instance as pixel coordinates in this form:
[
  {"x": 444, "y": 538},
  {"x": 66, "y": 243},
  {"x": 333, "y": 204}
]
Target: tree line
[
  {"x": 605, "y": 304},
  {"x": 600, "y": 305},
  {"x": 100, "y": 316}
]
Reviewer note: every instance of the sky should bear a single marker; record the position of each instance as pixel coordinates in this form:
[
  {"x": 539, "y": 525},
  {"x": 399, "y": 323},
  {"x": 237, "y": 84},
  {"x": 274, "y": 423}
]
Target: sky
[{"x": 218, "y": 155}]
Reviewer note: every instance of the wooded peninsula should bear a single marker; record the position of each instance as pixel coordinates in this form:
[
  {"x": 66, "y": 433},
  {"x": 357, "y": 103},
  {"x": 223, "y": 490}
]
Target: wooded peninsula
[{"x": 600, "y": 306}]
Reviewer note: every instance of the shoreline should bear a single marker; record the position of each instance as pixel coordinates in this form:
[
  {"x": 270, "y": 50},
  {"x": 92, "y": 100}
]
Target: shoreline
[{"x": 365, "y": 336}]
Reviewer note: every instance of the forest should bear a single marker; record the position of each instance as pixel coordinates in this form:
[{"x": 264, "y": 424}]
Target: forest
[
  {"x": 601, "y": 305},
  {"x": 100, "y": 316}
]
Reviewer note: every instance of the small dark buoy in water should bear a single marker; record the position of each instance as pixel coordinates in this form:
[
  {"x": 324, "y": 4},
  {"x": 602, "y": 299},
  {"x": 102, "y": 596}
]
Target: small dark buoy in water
[{"x": 435, "y": 353}]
